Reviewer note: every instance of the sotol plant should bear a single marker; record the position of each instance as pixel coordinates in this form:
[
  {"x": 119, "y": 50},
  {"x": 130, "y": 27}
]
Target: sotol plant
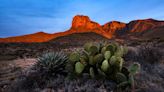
[
  {"x": 103, "y": 60},
  {"x": 52, "y": 63}
]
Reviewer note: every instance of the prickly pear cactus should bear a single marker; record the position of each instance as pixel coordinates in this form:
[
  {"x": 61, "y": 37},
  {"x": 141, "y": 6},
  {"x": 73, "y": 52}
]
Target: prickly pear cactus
[
  {"x": 111, "y": 48},
  {"x": 74, "y": 57},
  {"x": 130, "y": 73},
  {"x": 105, "y": 65},
  {"x": 91, "y": 72},
  {"x": 134, "y": 68},
  {"x": 87, "y": 46},
  {"x": 120, "y": 77},
  {"x": 93, "y": 50},
  {"x": 104, "y": 59},
  {"x": 113, "y": 59},
  {"x": 98, "y": 58},
  {"x": 79, "y": 67},
  {"x": 107, "y": 55}
]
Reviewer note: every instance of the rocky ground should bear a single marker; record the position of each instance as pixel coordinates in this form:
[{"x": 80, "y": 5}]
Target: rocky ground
[
  {"x": 17, "y": 59},
  {"x": 10, "y": 70},
  {"x": 150, "y": 78}
]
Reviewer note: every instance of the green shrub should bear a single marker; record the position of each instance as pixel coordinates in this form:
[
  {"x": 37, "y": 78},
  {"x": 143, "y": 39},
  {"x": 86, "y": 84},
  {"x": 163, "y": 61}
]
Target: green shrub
[{"x": 52, "y": 63}]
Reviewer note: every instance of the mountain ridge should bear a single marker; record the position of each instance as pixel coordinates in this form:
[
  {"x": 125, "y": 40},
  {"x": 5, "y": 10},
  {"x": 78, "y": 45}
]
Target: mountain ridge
[{"x": 83, "y": 24}]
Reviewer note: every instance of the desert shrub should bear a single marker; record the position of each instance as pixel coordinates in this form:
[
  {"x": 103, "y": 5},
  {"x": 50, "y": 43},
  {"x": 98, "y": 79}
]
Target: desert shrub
[
  {"x": 131, "y": 55},
  {"x": 27, "y": 82},
  {"x": 149, "y": 53},
  {"x": 82, "y": 85},
  {"x": 52, "y": 63},
  {"x": 104, "y": 60},
  {"x": 146, "y": 53},
  {"x": 31, "y": 84}
]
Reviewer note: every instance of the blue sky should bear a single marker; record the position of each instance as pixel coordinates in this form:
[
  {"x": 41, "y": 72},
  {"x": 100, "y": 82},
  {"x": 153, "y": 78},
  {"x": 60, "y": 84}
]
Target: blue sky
[{"x": 18, "y": 17}]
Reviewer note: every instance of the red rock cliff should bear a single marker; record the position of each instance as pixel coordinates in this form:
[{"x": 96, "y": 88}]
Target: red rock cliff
[
  {"x": 82, "y": 23},
  {"x": 111, "y": 27}
]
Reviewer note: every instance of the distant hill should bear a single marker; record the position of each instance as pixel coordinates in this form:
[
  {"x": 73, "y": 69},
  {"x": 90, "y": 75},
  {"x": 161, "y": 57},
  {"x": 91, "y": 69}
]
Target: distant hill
[
  {"x": 143, "y": 25},
  {"x": 78, "y": 39},
  {"x": 36, "y": 37},
  {"x": 16, "y": 50},
  {"x": 157, "y": 32},
  {"x": 83, "y": 24}
]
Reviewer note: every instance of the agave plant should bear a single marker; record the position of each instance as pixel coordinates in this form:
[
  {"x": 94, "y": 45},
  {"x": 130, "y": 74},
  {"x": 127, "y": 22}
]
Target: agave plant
[{"x": 52, "y": 63}]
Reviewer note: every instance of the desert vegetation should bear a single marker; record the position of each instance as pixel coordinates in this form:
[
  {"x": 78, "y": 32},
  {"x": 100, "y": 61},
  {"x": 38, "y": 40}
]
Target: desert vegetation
[
  {"x": 88, "y": 56},
  {"x": 97, "y": 63},
  {"x": 95, "y": 67}
]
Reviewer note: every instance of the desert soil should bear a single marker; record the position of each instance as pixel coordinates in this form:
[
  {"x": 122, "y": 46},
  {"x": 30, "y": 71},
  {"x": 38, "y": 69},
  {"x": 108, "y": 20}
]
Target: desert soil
[{"x": 10, "y": 70}]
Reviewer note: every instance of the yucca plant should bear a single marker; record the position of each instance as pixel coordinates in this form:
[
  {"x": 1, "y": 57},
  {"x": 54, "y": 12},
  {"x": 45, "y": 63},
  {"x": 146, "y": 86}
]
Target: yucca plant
[{"x": 52, "y": 63}]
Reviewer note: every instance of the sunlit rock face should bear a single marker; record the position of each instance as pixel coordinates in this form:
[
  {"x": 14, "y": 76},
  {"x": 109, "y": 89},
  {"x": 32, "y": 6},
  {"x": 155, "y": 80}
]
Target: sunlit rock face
[
  {"x": 143, "y": 25},
  {"x": 83, "y": 23},
  {"x": 113, "y": 26},
  {"x": 80, "y": 21}
]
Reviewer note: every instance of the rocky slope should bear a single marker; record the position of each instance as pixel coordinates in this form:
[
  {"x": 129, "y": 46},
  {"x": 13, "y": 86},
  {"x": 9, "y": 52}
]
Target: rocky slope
[
  {"x": 143, "y": 25},
  {"x": 113, "y": 26},
  {"x": 36, "y": 37},
  {"x": 82, "y": 24}
]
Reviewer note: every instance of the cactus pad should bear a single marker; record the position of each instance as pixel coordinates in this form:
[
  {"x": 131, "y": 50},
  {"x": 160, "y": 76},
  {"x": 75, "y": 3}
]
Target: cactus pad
[
  {"x": 120, "y": 77},
  {"x": 91, "y": 72},
  {"x": 107, "y": 55},
  {"x": 74, "y": 57},
  {"x": 79, "y": 67},
  {"x": 105, "y": 66},
  {"x": 134, "y": 68}
]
